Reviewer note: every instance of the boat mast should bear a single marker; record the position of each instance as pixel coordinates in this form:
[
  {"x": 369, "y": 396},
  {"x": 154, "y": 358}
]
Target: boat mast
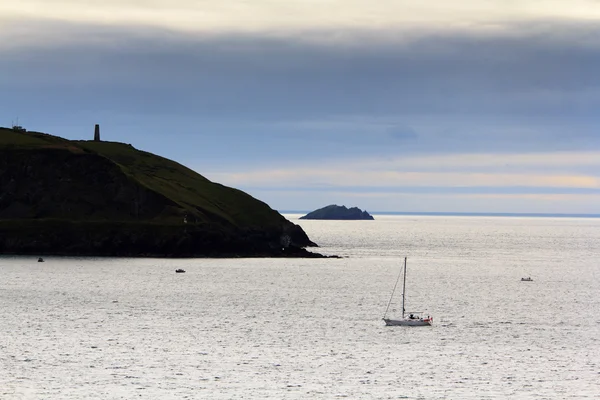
[
  {"x": 404, "y": 288},
  {"x": 394, "y": 291}
]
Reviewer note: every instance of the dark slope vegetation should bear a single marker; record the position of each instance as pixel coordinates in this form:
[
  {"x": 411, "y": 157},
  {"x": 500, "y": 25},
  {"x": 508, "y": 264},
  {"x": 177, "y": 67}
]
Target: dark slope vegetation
[{"x": 105, "y": 198}]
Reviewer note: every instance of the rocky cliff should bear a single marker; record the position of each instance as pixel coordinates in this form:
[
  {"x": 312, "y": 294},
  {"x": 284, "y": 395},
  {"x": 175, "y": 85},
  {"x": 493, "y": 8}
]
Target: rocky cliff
[
  {"x": 336, "y": 212},
  {"x": 105, "y": 198}
]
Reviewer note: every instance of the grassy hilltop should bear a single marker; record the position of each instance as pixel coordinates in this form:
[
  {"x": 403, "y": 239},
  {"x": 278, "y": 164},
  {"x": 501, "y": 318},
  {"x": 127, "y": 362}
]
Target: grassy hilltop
[{"x": 62, "y": 196}]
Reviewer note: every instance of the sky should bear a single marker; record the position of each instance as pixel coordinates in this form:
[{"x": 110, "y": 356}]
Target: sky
[{"x": 394, "y": 105}]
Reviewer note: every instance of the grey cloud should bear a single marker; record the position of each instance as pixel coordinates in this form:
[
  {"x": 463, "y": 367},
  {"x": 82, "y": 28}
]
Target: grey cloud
[
  {"x": 448, "y": 91},
  {"x": 266, "y": 76}
]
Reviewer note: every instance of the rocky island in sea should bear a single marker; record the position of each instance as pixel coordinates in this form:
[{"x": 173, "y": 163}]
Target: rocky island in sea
[
  {"x": 98, "y": 198},
  {"x": 336, "y": 212}
]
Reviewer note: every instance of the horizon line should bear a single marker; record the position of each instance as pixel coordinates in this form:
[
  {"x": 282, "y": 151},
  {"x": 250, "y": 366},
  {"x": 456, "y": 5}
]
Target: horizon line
[{"x": 466, "y": 214}]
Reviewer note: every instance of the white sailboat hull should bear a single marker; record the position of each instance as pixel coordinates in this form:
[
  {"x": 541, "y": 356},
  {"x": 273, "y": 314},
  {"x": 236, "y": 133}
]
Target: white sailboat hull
[{"x": 408, "y": 322}]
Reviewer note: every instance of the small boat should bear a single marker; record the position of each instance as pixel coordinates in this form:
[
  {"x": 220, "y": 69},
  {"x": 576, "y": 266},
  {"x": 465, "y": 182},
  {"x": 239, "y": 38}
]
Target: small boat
[
  {"x": 414, "y": 318},
  {"x": 180, "y": 271},
  {"x": 528, "y": 279},
  {"x": 40, "y": 259}
]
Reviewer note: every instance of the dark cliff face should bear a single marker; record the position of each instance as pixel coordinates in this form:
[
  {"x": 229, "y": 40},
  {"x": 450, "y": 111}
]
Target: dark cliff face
[
  {"x": 139, "y": 239},
  {"x": 335, "y": 212},
  {"x": 104, "y": 198},
  {"x": 74, "y": 186}
]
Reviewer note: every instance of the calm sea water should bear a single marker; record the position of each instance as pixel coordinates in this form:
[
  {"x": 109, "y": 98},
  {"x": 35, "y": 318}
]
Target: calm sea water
[{"x": 83, "y": 328}]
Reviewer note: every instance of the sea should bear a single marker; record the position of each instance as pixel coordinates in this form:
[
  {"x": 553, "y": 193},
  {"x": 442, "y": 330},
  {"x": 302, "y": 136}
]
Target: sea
[{"x": 257, "y": 328}]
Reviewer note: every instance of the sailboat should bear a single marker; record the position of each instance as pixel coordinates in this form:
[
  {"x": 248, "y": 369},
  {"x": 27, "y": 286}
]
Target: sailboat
[{"x": 412, "y": 318}]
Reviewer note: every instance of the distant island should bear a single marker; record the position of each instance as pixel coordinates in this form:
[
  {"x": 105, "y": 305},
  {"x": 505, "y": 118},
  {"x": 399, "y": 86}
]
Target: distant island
[
  {"x": 335, "y": 212},
  {"x": 99, "y": 198}
]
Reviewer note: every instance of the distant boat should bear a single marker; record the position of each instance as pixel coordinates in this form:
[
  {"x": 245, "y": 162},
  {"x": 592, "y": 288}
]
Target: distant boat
[
  {"x": 528, "y": 279},
  {"x": 413, "y": 318},
  {"x": 40, "y": 259},
  {"x": 179, "y": 271}
]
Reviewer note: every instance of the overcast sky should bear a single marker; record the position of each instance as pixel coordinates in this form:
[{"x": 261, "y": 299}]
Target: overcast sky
[{"x": 389, "y": 105}]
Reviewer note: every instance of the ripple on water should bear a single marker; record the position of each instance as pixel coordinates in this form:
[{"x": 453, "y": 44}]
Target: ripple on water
[{"x": 296, "y": 329}]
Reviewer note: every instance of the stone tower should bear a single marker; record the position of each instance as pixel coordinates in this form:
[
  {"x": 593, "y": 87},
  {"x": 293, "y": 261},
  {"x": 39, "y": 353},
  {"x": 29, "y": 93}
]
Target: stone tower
[{"x": 97, "y": 133}]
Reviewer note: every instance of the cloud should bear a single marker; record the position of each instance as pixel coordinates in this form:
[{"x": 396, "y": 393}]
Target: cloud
[
  {"x": 414, "y": 84},
  {"x": 301, "y": 15},
  {"x": 535, "y": 173},
  {"x": 514, "y": 162},
  {"x": 539, "y": 182},
  {"x": 319, "y": 179}
]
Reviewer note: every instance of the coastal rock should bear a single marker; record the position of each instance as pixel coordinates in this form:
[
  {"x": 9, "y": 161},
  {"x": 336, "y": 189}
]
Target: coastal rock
[
  {"x": 98, "y": 198},
  {"x": 335, "y": 212}
]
